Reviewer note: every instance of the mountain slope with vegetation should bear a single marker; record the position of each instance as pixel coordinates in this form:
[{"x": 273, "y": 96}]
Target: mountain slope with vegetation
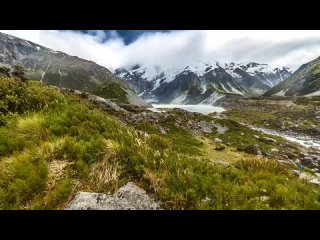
[
  {"x": 53, "y": 67},
  {"x": 305, "y": 81},
  {"x": 54, "y": 143}
]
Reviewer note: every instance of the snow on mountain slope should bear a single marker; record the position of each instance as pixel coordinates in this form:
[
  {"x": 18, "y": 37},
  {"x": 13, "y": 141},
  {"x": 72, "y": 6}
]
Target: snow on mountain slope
[{"x": 201, "y": 81}]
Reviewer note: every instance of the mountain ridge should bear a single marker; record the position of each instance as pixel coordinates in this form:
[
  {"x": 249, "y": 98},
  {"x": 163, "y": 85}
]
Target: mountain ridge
[
  {"x": 304, "y": 82},
  {"x": 53, "y": 67},
  {"x": 63, "y": 70},
  {"x": 201, "y": 81}
]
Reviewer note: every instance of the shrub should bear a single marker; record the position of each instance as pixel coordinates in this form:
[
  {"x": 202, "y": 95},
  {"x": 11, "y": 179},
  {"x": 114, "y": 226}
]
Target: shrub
[
  {"x": 260, "y": 164},
  {"x": 158, "y": 142},
  {"x": 30, "y": 128},
  {"x": 250, "y": 149},
  {"x": 57, "y": 196},
  {"x": 220, "y": 147},
  {"x": 19, "y": 73},
  {"x": 82, "y": 168},
  {"x": 23, "y": 176}
]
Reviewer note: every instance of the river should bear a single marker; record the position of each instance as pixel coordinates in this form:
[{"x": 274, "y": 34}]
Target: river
[{"x": 305, "y": 141}]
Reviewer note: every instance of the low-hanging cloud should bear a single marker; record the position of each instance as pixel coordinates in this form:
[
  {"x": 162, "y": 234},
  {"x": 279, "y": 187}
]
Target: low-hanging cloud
[{"x": 178, "y": 48}]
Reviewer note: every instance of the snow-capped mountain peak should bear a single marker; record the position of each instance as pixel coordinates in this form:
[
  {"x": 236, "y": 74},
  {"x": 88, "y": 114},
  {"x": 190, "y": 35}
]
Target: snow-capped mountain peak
[{"x": 201, "y": 80}]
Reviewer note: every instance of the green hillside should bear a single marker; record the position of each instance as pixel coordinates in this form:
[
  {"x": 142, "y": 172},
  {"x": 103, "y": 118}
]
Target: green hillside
[
  {"x": 54, "y": 144},
  {"x": 304, "y": 81}
]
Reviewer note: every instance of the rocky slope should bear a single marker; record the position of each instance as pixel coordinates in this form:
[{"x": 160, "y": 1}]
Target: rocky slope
[
  {"x": 304, "y": 82},
  {"x": 202, "y": 82},
  {"x": 59, "y": 69}
]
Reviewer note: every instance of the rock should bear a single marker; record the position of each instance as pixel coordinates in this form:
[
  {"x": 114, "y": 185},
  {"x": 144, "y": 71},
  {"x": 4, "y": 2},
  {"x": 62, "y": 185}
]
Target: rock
[
  {"x": 303, "y": 154},
  {"x": 217, "y": 140},
  {"x": 197, "y": 114},
  {"x": 269, "y": 140},
  {"x": 220, "y": 129},
  {"x": 162, "y": 131},
  {"x": 274, "y": 150},
  {"x": 205, "y": 126},
  {"x": 259, "y": 153},
  {"x": 306, "y": 160},
  {"x": 256, "y": 136},
  {"x": 128, "y": 197},
  {"x": 105, "y": 103},
  {"x": 297, "y": 161},
  {"x": 289, "y": 145},
  {"x": 309, "y": 178},
  {"x": 296, "y": 172},
  {"x": 264, "y": 198},
  {"x": 293, "y": 163},
  {"x": 314, "y": 181},
  {"x": 206, "y": 200},
  {"x": 315, "y": 157}
]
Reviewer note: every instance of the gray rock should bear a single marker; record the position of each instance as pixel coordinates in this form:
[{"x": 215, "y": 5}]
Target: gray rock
[
  {"x": 104, "y": 103},
  {"x": 314, "y": 181},
  {"x": 162, "y": 131},
  {"x": 304, "y": 154},
  {"x": 267, "y": 139},
  {"x": 315, "y": 157},
  {"x": 128, "y": 197},
  {"x": 296, "y": 172},
  {"x": 220, "y": 129},
  {"x": 309, "y": 178},
  {"x": 135, "y": 100},
  {"x": 274, "y": 150},
  {"x": 217, "y": 140},
  {"x": 205, "y": 126},
  {"x": 306, "y": 160}
]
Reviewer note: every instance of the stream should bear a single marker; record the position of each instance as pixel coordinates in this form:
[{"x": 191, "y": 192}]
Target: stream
[{"x": 305, "y": 141}]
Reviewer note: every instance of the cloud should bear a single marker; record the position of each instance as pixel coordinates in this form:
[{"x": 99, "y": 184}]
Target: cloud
[{"x": 276, "y": 48}]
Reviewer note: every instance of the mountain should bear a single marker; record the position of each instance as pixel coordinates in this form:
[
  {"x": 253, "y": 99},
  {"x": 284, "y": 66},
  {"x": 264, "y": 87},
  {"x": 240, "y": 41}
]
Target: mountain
[
  {"x": 202, "y": 82},
  {"x": 62, "y": 70},
  {"x": 304, "y": 82}
]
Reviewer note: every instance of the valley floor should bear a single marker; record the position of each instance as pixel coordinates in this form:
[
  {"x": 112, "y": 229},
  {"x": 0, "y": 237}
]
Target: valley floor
[{"x": 55, "y": 143}]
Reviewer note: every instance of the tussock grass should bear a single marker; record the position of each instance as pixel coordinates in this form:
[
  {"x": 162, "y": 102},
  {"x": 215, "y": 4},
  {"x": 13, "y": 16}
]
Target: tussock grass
[
  {"x": 71, "y": 146},
  {"x": 261, "y": 164},
  {"x": 31, "y": 127}
]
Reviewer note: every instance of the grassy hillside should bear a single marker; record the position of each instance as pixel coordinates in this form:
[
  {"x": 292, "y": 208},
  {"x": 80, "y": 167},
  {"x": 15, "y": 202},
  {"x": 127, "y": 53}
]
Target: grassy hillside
[
  {"x": 304, "y": 81},
  {"x": 53, "y": 145}
]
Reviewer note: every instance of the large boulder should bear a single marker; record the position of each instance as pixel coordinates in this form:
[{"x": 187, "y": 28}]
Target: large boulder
[{"x": 128, "y": 197}]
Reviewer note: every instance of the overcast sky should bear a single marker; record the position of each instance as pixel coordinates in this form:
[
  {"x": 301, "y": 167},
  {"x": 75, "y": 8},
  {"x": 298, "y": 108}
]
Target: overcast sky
[{"x": 114, "y": 49}]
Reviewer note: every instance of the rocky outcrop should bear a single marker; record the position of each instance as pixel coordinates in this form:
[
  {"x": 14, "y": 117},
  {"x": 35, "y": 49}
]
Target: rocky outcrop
[
  {"x": 100, "y": 101},
  {"x": 104, "y": 103},
  {"x": 128, "y": 197}
]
